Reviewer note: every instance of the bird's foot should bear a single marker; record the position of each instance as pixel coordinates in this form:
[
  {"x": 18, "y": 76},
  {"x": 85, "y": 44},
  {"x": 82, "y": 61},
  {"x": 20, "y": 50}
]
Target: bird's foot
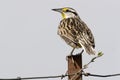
[
  {"x": 68, "y": 56},
  {"x": 71, "y": 56}
]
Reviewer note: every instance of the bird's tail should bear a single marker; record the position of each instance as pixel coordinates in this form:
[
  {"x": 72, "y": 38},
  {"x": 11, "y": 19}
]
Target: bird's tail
[{"x": 88, "y": 49}]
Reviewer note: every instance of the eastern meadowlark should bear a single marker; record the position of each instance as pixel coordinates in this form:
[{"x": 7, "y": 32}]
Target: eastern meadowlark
[{"x": 74, "y": 31}]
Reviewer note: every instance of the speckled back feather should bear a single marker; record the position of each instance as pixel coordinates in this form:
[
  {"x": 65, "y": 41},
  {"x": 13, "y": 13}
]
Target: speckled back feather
[{"x": 76, "y": 34}]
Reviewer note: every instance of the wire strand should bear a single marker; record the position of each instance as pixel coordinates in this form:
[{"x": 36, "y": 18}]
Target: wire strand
[
  {"x": 62, "y": 76},
  {"x": 95, "y": 75}
]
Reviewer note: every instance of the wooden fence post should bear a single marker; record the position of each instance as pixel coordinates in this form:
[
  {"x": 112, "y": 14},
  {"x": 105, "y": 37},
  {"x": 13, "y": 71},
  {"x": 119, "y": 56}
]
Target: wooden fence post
[{"x": 74, "y": 65}]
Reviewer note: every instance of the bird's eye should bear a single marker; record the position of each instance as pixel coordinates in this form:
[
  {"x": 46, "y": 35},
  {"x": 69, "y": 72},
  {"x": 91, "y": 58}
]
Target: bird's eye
[{"x": 67, "y": 10}]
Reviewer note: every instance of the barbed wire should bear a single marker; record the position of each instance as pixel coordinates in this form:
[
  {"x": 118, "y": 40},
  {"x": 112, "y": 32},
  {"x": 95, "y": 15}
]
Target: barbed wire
[
  {"x": 95, "y": 75},
  {"x": 62, "y": 76},
  {"x": 80, "y": 72}
]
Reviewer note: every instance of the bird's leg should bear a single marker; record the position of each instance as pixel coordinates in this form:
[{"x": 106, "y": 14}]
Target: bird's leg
[
  {"x": 81, "y": 52},
  {"x": 72, "y": 56},
  {"x": 71, "y": 53}
]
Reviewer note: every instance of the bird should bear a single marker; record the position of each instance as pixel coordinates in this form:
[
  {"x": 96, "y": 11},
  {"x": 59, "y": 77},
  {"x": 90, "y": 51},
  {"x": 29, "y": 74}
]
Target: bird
[{"x": 74, "y": 31}]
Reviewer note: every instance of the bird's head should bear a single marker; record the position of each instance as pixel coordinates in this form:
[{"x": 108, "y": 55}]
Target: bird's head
[{"x": 66, "y": 12}]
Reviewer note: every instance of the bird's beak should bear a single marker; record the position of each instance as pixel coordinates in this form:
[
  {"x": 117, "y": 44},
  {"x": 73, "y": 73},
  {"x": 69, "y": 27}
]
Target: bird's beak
[{"x": 57, "y": 10}]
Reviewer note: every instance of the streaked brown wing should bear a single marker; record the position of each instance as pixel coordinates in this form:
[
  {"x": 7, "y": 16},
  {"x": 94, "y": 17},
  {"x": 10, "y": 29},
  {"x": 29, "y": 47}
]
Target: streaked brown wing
[
  {"x": 74, "y": 30},
  {"x": 87, "y": 35}
]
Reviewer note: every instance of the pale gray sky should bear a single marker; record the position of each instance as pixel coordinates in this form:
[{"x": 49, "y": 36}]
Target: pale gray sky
[{"x": 30, "y": 46}]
